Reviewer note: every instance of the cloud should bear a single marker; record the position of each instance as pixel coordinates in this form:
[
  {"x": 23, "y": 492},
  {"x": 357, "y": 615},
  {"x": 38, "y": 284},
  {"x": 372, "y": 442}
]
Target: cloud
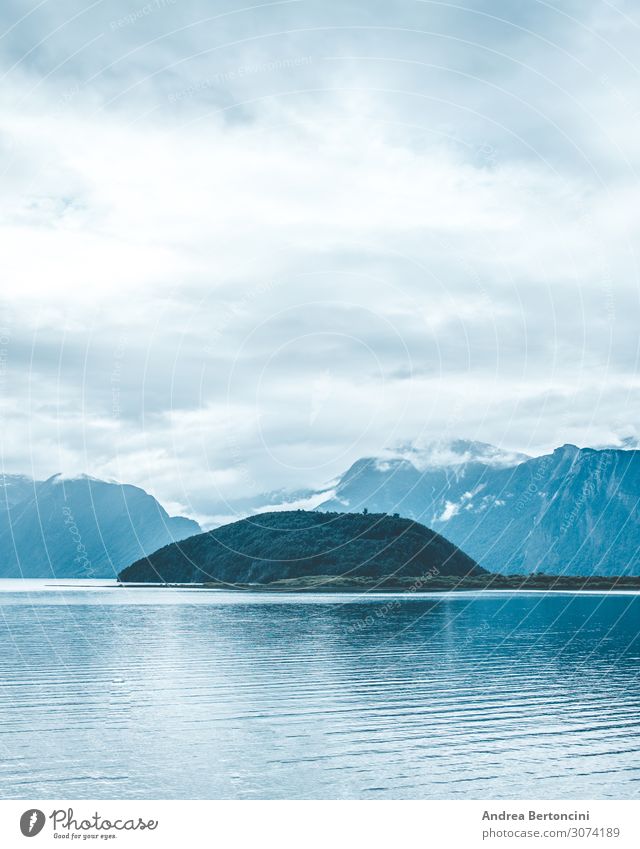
[{"x": 243, "y": 248}]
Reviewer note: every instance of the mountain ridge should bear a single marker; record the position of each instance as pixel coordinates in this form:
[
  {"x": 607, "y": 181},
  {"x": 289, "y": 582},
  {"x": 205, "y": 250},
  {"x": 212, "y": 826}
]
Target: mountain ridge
[
  {"x": 83, "y": 527},
  {"x": 574, "y": 511}
]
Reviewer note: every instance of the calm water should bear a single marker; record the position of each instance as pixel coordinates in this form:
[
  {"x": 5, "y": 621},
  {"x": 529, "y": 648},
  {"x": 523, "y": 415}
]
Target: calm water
[{"x": 114, "y": 693}]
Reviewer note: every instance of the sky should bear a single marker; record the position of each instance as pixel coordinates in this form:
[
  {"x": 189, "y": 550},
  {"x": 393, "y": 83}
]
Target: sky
[{"x": 242, "y": 246}]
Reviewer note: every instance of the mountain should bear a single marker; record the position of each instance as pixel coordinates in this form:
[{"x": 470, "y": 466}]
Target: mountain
[
  {"x": 420, "y": 483},
  {"x": 396, "y": 472},
  {"x": 572, "y": 512},
  {"x": 301, "y": 544},
  {"x": 80, "y": 527},
  {"x": 14, "y": 489}
]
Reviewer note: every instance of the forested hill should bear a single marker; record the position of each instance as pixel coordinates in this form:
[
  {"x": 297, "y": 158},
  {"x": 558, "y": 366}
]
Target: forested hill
[{"x": 293, "y": 544}]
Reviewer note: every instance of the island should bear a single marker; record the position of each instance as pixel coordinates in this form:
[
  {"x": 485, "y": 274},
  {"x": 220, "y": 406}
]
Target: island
[{"x": 299, "y": 550}]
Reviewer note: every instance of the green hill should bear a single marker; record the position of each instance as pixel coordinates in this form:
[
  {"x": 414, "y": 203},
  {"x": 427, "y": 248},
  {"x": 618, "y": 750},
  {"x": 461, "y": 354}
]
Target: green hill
[{"x": 302, "y": 545}]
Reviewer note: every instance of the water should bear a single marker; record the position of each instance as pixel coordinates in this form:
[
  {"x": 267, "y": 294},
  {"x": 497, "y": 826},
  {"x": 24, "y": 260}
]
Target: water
[{"x": 113, "y": 693}]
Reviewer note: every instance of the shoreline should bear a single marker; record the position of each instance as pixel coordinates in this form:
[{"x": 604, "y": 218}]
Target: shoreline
[
  {"x": 613, "y": 585},
  {"x": 339, "y": 586}
]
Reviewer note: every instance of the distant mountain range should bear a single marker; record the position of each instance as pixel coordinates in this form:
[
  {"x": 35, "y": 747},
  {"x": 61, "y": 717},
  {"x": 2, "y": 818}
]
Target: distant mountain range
[
  {"x": 572, "y": 512},
  {"x": 79, "y": 527}
]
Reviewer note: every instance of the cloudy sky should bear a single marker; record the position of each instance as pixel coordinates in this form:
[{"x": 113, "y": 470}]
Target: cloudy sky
[{"x": 242, "y": 246}]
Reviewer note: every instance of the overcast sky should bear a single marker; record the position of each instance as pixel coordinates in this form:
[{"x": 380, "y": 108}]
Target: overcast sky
[{"x": 243, "y": 246}]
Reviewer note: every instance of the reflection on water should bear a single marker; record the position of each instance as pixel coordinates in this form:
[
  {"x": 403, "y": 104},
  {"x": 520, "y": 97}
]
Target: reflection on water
[{"x": 113, "y": 693}]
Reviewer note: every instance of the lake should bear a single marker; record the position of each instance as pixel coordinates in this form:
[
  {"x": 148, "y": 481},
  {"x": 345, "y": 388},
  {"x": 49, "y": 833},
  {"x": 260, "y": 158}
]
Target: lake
[{"x": 114, "y": 693}]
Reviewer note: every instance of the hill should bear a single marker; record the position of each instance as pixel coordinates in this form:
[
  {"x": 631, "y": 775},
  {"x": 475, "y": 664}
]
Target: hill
[{"x": 300, "y": 544}]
